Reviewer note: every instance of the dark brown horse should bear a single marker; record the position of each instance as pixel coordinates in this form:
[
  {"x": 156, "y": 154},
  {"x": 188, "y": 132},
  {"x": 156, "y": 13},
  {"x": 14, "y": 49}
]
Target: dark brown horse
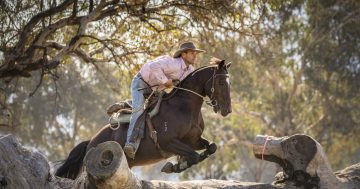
[{"x": 179, "y": 124}]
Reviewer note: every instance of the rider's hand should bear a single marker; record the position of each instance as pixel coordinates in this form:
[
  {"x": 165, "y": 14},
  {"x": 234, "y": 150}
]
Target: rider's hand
[
  {"x": 176, "y": 82},
  {"x": 168, "y": 84}
]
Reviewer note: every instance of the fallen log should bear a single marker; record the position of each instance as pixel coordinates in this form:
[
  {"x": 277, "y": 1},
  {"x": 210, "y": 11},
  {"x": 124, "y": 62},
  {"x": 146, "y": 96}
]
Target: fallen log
[
  {"x": 25, "y": 169},
  {"x": 106, "y": 167},
  {"x": 304, "y": 163}
]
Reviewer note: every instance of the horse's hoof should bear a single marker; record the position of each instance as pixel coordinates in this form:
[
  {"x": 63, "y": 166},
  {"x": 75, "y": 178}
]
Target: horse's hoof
[
  {"x": 168, "y": 168},
  {"x": 212, "y": 148}
]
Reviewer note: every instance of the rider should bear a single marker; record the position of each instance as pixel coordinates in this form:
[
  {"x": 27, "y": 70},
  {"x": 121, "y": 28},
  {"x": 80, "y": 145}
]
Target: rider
[{"x": 159, "y": 74}]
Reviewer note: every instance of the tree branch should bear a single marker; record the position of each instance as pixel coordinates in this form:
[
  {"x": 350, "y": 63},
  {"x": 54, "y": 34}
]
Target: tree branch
[
  {"x": 261, "y": 116},
  {"x": 82, "y": 54},
  {"x": 34, "y": 20}
]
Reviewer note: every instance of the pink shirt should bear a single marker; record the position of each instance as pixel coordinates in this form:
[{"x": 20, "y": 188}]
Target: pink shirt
[{"x": 163, "y": 68}]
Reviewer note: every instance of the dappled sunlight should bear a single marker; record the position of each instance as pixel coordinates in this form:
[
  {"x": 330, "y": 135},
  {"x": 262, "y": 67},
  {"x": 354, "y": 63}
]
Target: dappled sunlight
[{"x": 295, "y": 69}]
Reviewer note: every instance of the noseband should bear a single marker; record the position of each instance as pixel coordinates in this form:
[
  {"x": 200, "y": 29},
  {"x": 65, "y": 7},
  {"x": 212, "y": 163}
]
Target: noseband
[{"x": 213, "y": 102}]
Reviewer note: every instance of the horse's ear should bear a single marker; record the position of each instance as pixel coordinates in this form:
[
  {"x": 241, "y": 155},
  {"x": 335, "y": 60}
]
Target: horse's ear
[
  {"x": 221, "y": 64},
  {"x": 228, "y": 65}
]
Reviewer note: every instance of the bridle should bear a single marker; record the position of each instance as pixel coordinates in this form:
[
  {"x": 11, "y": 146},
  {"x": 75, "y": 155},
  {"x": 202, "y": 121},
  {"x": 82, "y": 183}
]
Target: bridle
[{"x": 212, "y": 101}]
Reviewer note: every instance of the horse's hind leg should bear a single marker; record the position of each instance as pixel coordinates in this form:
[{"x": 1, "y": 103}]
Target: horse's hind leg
[{"x": 179, "y": 148}]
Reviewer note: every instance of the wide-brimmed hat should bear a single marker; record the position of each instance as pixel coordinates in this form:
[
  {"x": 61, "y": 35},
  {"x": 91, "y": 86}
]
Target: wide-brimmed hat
[{"x": 186, "y": 46}]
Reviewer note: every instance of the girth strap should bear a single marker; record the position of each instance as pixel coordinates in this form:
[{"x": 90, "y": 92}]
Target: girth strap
[
  {"x": 153, "y": 135},
  {"x": 153, "y": 132}
]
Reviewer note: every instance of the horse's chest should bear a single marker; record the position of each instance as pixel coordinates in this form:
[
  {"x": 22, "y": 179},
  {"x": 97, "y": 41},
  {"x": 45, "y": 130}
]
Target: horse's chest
[
  {"x": 195, "y": 131},
  {"x": 190, "y": 129}
]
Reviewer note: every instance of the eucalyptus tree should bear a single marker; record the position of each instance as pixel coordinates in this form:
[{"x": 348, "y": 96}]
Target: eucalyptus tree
[
  {"x": 62, "y": 62},
  {"x": 297, "y": 73}
]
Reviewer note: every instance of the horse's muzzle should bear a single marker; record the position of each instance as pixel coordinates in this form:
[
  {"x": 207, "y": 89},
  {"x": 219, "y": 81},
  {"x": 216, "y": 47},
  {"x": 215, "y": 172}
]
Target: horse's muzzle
[
  {"x": 225, "y": 113},
  {"x": 224, "y": 110}
]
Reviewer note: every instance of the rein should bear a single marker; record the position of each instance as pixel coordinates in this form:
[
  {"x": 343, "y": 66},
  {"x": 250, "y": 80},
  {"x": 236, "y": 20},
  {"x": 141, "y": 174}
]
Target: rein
[
  {"x": 199, "y": 95},
  {"x": 211, "y": 102}
]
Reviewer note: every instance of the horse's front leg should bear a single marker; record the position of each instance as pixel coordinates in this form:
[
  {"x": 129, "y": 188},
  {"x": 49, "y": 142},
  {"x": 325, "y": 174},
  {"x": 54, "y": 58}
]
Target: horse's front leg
[
  {"x": 190, "y": 156},
  {"x": 210, "y": 148}
]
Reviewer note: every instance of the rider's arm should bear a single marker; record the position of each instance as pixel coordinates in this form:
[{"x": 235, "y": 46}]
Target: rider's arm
[{"x": 158, "y": 68}]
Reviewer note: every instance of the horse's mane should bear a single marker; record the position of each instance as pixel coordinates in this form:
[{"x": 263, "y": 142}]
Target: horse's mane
[
  {"x": 197, "y": 70},
  {"x": 168, "y": 96}
]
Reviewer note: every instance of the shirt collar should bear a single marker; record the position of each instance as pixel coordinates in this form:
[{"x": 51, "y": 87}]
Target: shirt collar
[{"x": 183, "y": 64}]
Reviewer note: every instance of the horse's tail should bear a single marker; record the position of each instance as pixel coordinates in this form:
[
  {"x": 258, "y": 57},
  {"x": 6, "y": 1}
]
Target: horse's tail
[{"x": 72, "y": 166}]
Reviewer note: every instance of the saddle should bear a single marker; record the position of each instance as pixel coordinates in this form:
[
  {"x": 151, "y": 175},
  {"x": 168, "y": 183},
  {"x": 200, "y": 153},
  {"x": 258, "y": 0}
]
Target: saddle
[{"x": 120, "y": 114}]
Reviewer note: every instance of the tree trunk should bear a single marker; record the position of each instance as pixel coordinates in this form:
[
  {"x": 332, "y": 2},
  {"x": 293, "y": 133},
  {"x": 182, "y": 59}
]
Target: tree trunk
[
  {"x": 106, "y": 167},
  {"x": 22, "y": 168}
]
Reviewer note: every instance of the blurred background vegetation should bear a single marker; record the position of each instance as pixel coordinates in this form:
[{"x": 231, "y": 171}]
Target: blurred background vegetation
[{"x": 295, "y": 69}]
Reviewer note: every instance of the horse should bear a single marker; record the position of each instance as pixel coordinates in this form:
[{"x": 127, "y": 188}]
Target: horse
[{"x": 179, "y": 124}]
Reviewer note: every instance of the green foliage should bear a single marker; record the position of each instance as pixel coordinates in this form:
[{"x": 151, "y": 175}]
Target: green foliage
[
  {"x": 68, "y": 107},
  {"x": 300, "y": 76}
]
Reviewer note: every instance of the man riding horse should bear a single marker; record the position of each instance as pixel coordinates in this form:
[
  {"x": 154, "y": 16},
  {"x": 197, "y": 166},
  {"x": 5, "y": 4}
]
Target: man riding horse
[
  {"x": 179, "y": 124},
  {"x": 158, "y": 74}
]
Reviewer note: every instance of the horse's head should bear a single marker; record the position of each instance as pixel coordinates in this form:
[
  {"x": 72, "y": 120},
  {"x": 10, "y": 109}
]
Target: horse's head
[{"x": 217, "y": 88}]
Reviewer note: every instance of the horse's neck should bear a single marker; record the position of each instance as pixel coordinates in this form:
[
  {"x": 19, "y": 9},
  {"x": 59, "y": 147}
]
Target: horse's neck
[
  {"x": 195, "y": 84},
  {"x": 189, "y": 99}
]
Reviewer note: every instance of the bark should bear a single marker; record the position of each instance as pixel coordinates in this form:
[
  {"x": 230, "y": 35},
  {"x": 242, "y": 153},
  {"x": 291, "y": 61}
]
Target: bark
[
  {"x": 24, "y": 168},
  {"x": 105, "y": 167}
]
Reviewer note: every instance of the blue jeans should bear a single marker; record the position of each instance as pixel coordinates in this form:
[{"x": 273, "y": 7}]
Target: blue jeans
[{"x": 138, "y": 101}]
